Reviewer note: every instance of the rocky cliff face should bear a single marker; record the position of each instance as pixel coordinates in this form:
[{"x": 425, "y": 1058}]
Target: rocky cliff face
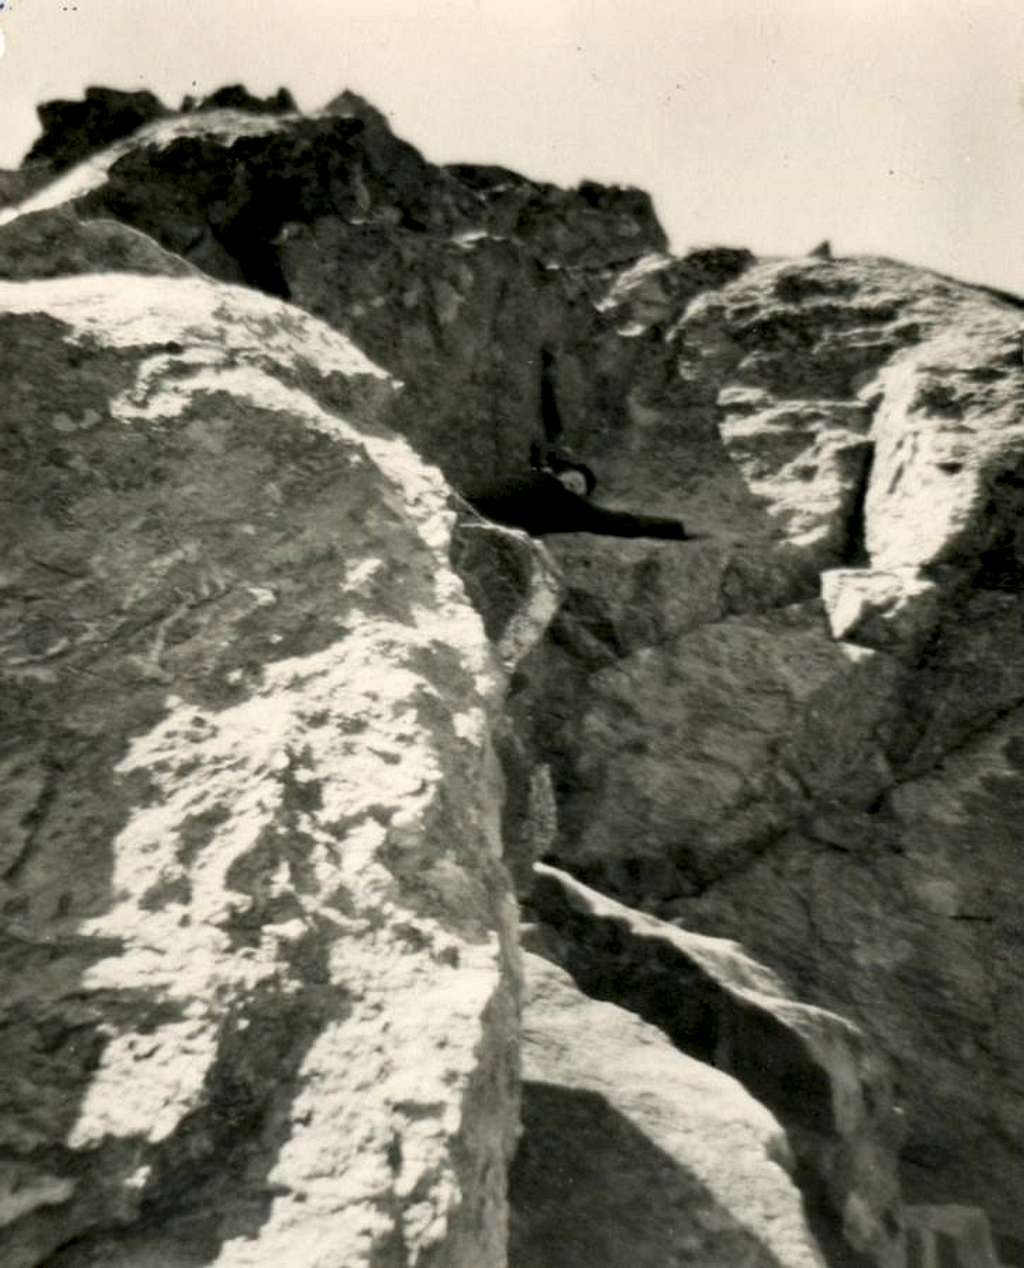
[
  {"x": 833, "y": 779},
  {"x": 799, "y": 730}
]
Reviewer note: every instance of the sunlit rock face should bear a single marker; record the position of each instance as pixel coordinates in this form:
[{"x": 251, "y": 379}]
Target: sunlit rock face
[{"x": 260, "y": 979}]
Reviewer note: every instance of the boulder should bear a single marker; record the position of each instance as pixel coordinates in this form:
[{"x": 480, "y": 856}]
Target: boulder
[
  {"x": 259, "y": 951},
  {"x": 920, "y": 896},
  {"x": 896, "y": 610},
  {"x": 824, "y": 1082},
  {"x": 681, "y": 761},
  {"x": 635, "y": 1153}
]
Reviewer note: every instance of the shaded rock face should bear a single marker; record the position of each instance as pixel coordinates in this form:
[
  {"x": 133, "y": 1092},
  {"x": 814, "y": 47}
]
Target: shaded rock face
[
  {"x": 634, "y": 1153},
  {"x": 516, "y": 590},
  {"x": 260, "y": 976}
]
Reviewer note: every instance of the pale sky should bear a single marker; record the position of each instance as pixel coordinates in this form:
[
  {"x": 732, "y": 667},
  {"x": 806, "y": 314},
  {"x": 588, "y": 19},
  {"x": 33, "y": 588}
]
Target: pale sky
[{"x": 888, "y": 126}]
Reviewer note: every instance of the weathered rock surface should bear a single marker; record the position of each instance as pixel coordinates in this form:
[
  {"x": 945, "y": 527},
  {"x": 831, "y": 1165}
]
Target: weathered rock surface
[
  {"x": 516, "y": 589},
  {"x": 679, "y": 763},
  {"x": 633, "y": 1153},
  {"x": 814, "y": 1071},
  {"x": 258, "y": 947}
]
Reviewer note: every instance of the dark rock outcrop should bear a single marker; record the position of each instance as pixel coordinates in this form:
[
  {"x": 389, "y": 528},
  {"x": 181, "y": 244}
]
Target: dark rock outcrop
[
  {"x": 958, "y": 1236},
  {"x": 72, "y": 130},
  {"x": 238, "y": 97}
]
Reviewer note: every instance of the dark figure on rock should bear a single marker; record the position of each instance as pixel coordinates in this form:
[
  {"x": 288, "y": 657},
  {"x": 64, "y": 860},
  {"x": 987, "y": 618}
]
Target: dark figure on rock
[{"x": 554, "y": 497}]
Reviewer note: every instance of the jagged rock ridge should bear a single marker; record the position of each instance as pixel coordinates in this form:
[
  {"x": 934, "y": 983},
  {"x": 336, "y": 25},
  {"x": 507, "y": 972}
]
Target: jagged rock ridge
[{"x": 328, "y": 210}]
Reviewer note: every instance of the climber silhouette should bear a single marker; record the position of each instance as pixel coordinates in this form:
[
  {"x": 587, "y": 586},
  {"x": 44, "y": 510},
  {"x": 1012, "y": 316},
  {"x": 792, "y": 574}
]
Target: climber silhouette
[{"x": 553, "y": 496}]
